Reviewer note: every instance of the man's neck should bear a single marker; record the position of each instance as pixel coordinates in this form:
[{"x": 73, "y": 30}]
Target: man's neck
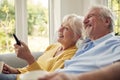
[{"x": 95, "y": 37}]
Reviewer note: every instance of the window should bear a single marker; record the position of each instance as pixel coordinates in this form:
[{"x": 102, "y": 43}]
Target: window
[
  {"x": 7, "y": 25},
  {"x": 115, "y": 6},
  {"x": 38, "y": 31},
  {"x": 28, "y": 19}
]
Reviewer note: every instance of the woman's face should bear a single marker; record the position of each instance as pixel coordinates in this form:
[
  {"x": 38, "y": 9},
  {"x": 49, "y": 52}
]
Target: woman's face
[{"x": 66, "y": 35}]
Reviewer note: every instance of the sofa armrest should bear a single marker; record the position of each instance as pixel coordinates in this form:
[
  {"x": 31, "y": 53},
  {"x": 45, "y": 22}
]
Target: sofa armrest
[{"x": 12, "y": 60}]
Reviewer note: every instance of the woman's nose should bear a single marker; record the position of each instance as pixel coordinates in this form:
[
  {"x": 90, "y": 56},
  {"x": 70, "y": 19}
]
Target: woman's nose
[{"x": 60, "y": 29}]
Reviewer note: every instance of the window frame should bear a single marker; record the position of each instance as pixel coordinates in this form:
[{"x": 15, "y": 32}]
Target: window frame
[{"x": 21, "y": 20}]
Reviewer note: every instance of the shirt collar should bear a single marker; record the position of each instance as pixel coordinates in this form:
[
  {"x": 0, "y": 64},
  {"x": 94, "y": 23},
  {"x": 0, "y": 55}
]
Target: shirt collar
[{"x": 103, "y": 38}]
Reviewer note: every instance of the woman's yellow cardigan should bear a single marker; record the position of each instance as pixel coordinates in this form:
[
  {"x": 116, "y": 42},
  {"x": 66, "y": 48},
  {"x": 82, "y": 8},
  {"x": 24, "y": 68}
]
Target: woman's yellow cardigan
[{"x": 48, "y": 62}]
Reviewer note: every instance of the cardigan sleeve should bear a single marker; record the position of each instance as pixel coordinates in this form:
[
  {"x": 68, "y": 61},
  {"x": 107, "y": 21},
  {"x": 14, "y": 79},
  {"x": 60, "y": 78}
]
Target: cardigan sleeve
[
  {"x": 34, "y": 66},
  {"x": 37, "y": 65}
]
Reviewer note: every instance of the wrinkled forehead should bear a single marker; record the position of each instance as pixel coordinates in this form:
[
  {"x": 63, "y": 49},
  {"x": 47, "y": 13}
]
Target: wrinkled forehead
[{"x": 93, "y": 11}]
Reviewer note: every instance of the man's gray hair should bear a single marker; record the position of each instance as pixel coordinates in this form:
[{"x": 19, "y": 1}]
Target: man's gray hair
[{"x": 106, "y": 13}]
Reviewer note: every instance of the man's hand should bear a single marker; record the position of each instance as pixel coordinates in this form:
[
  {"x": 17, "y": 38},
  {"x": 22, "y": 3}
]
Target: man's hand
[{"x": 59, "y": 76}]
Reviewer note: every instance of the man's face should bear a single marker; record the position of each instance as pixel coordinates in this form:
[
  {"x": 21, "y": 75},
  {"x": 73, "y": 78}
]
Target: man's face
[{"x": 95, "y": 24}]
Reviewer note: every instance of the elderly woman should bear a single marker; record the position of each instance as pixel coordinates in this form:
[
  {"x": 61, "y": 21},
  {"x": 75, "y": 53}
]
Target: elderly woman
[{"x": 55, "y": 55}]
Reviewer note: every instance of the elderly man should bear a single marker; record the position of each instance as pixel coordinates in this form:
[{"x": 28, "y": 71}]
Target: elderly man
[
  {"x": 111, "y": 72},
  {"x": 103, "y": 48}
]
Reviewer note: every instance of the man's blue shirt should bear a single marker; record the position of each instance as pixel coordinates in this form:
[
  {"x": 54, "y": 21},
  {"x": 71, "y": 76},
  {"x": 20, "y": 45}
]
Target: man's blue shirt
[{"x": 103, "y": 51}]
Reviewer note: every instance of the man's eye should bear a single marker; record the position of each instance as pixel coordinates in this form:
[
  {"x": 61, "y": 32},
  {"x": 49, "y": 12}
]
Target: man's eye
[
  {"x": 90, "y": 16},
  {"x": 66, "y": 28}
]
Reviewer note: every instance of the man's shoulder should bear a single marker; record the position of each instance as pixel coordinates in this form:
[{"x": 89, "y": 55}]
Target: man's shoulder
[
  {"x": 114, "y": 39},
  {"x": 112, "y": 43},
  {"x": 111, "y": 37}
]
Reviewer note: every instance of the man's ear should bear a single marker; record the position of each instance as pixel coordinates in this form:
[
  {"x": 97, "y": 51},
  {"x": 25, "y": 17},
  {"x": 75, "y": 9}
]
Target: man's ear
[{"x": 107, "y": 21}]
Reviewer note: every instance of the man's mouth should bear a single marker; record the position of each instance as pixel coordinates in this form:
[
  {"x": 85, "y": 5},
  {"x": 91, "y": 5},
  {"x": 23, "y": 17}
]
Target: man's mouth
[
  {"x": 88, "y": 25},
  {"x": 60, "y": 35}
]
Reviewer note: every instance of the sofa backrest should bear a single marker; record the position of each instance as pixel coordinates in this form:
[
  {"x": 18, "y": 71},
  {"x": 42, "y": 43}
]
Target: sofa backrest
[{"x": 12, "y": 59}]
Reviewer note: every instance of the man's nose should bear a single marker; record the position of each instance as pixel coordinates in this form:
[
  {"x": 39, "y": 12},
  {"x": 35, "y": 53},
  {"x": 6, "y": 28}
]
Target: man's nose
[
  {"x": 60, "y": 29},
  {"x": 85, "y": 21}
]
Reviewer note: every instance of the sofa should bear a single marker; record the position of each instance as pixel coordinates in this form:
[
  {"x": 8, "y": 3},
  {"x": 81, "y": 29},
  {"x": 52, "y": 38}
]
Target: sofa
[{"x": 12, "y": 59}]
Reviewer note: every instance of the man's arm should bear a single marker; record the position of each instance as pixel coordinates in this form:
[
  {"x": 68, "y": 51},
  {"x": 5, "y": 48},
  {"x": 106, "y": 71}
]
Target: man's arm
[{"x": 111, "y": 72}]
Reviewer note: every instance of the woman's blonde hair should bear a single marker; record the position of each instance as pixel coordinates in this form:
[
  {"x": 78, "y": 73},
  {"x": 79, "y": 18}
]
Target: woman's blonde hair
[{"x": 75, "y": 22}]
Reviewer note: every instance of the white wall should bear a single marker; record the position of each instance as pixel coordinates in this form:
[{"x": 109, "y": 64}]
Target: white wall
[
  {"x": 88, "y": 3},
  {"x": 71, "y": 6},
  {"x": 78, "y": 6}
]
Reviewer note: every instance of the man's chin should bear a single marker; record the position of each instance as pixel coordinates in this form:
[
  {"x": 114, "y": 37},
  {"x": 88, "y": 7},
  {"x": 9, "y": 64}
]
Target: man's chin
[{"x": 59, "y": 40}]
